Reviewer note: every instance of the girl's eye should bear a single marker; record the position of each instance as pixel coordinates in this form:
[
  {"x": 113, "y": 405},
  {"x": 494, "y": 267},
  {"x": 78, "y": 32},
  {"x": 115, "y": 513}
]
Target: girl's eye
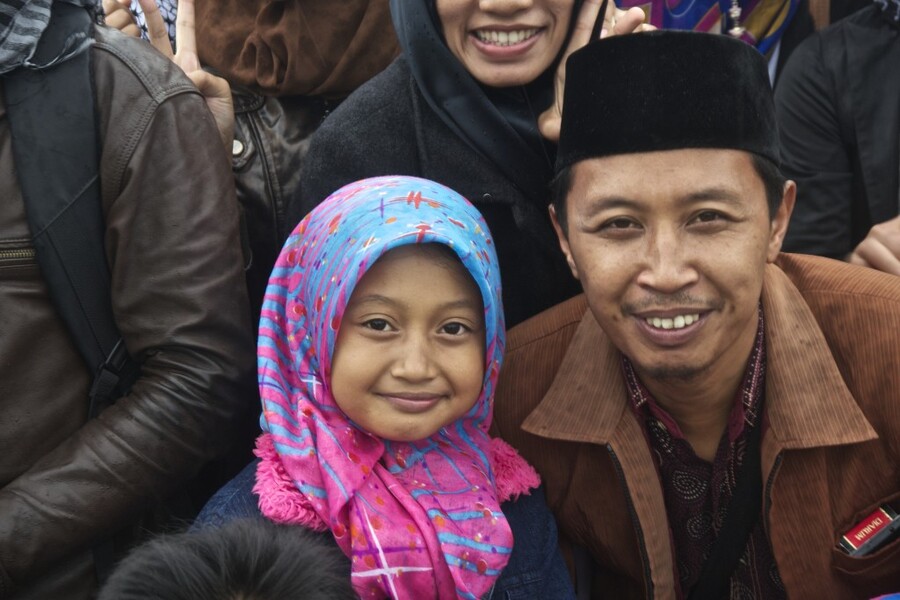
[
  {"x": 455, "y": 328},
  {"x": 377, "y": 325}
]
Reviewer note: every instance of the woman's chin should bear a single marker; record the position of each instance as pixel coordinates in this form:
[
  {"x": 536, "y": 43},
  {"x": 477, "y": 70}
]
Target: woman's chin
[{"x": 504, "y": 75}]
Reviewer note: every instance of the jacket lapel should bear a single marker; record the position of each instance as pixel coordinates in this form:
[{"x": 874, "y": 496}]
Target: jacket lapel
[
  {"x": 808, "y": 405},
  {"x": 592, "y": 369}
]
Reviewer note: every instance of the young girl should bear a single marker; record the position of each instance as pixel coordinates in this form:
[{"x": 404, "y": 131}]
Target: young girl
[{"x": 381, "y": 340}]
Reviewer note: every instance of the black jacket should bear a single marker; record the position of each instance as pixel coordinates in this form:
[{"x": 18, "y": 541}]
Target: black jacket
[
  {"x": 387, "y": 128},
  {"x": 838, "y": 104}
]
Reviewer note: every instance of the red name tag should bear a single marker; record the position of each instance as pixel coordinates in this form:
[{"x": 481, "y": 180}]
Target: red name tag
[{"x": 870, "y": 530}]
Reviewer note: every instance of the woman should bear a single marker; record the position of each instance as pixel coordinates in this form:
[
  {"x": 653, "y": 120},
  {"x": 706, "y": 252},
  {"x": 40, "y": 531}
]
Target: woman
[{"x": 461, "y": 106}]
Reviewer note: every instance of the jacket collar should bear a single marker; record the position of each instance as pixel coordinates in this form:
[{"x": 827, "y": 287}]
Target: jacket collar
[{"x": 807, "y": 401}]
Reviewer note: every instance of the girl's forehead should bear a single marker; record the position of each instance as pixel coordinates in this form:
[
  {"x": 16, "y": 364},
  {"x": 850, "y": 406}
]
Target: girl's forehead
[{"x": 424, "y": 279}]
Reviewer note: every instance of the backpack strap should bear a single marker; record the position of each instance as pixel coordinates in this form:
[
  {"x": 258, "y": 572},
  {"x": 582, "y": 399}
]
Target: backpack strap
[
  {"x": 740, "y": 520},
  {"x": 55, "y": 147}
]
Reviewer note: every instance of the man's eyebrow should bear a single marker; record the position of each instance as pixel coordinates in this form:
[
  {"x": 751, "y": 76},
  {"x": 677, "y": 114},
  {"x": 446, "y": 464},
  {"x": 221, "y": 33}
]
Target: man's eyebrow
[
  {"x": 603, "y": 203},
  {"x": 720, "y": 194}
]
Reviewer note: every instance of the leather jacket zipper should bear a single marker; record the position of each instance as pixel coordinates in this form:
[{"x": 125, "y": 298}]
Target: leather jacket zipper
[
  {"x": 645, "y": 559},
  {"x": 18, "y": 255}
]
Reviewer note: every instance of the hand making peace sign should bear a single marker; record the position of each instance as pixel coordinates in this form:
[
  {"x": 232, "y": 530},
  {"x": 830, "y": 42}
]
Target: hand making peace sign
[
  {"x": 615, "y": 22},
  {"x": 215, "y": 90}
]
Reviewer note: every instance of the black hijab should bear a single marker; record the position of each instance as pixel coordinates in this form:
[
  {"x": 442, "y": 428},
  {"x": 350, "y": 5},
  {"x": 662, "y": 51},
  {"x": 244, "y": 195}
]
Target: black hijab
[{"x": 498, "y": 123}]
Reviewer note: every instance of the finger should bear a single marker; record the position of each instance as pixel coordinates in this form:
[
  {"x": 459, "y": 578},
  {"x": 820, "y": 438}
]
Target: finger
[
  {"x": 549, "y": 124},
  {"x": 132, "y": 30},
  {"x": 888, "y": 233},
  {"x": 188, "y": 61},
  {"x": 584, "y": 24},
  {"x": 156, "y": 27},
  {"x": 111, "y": 6},
  {"x": 217, "y": 94},
  {"x": 185, "y": 32},
  {"x": 629, "y": 21},
  {"x": 878, "y": 256},
  {"x": 211, "y": 86},
  {"x": 118, "y": 19}
]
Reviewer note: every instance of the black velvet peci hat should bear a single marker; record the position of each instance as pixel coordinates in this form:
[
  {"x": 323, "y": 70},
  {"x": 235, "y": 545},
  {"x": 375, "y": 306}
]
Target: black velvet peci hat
[{"x": 665, "y": 90}]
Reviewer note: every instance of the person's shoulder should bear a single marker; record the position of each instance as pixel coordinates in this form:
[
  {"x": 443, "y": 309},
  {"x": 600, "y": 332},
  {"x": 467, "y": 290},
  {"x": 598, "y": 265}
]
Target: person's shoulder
[
  {"x": 382, "y": 102},
  {"x": 833, "y": 36},
  {"x": 868, "y": 17},
  {"x": 121, "y": 60},
  {"x": 556, "y": 324},
  {"x": 820, "y": 278}
]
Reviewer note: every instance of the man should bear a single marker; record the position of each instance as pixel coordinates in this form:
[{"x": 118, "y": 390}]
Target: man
[
  {"x": 70, "y": 485},
  {"x": 710, "y": 417}
]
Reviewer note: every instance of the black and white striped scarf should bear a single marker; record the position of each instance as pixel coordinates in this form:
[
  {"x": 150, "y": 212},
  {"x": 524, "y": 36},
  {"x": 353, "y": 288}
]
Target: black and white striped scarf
[{"x": 21, "y": 24}]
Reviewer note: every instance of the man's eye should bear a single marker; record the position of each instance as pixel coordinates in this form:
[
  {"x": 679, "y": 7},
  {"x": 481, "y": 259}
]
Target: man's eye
[
  {"x": 377, "y": 324},
  {"x": 708, "y": 216},
  {"x": 620, "y": 224},
  {"x": 455, "y": 328}
]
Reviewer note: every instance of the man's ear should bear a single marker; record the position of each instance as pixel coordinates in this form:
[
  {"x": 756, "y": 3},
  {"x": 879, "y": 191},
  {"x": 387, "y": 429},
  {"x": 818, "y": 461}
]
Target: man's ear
[
  {"x": 781, "y": 220},
  {"x": 563, "y": 241}
]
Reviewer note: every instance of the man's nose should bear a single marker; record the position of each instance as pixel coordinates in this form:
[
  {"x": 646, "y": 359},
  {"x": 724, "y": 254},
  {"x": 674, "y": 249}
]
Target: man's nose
[{"x": 669, "y": 263}]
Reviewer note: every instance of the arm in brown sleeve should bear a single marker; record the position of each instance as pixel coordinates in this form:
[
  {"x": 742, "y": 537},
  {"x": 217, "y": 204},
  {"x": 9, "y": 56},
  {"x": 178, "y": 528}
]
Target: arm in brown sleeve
[{"x": 179, "y": 300}]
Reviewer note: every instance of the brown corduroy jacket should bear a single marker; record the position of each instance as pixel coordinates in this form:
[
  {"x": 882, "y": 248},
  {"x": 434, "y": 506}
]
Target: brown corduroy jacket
[{"x": 830, "y": 454}]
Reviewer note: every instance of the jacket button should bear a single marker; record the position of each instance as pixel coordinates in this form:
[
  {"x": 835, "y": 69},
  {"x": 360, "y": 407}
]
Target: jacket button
[
  {"x": 487, "y": 198},
  {"x": 237, "y": 148}
]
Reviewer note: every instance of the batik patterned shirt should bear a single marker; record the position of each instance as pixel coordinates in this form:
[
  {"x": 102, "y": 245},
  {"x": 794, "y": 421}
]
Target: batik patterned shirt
[{"x": 697, "y": 493}]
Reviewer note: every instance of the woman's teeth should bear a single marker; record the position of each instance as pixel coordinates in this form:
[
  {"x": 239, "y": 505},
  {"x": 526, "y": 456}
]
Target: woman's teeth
[
  {"x": 505, "y": 38},
  {"x": 678, "y": 322}
]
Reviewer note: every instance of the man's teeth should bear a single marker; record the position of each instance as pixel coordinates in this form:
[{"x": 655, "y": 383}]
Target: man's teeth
[
  {"x": 678, "y": 322},
  {"x": 505, "y": 38}
]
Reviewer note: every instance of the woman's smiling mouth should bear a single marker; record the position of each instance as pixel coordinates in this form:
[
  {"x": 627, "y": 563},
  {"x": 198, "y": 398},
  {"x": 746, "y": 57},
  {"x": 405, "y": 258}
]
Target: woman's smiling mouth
[{"x": 495, "y": 37}]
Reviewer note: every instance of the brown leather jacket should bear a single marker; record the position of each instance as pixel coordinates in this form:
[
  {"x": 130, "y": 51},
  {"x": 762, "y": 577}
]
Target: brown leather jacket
[
  {"x": 829, "y": 453},
  {"x": 179, "y": 301}
]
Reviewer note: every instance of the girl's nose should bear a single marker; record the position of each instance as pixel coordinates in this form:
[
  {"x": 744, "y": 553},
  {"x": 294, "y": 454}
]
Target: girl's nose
[{"x": 413, "y": 361}]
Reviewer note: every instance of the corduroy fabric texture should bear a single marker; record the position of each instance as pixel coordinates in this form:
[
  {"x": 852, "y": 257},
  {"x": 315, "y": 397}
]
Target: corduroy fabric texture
[{"x": 828, "y": 455}]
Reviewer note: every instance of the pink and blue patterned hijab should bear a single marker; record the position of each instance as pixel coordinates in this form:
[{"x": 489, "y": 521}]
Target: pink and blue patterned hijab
[{"x": 419, "y": 519}]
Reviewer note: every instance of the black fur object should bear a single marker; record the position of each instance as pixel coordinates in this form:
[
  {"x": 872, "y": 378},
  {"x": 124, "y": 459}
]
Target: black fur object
[
  {"x": 666, "y": 90},
  {"x": 247, "y": 559}
]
